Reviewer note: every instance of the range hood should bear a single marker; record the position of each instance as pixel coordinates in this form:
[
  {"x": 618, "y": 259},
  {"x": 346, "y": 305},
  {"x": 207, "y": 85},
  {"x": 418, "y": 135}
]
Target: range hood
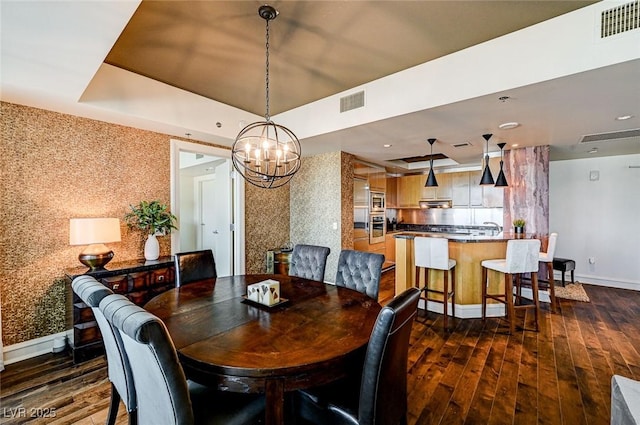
[{"x": 441, "y": 203}]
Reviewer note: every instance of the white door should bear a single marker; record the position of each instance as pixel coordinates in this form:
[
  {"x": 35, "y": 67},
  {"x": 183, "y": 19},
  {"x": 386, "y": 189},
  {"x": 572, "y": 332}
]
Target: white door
[{"x": 215, "y": 218}]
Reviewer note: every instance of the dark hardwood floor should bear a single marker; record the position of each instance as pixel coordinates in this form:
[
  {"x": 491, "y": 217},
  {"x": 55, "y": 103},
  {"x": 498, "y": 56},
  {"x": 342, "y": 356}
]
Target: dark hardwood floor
[{"x": 474, "y": 374}]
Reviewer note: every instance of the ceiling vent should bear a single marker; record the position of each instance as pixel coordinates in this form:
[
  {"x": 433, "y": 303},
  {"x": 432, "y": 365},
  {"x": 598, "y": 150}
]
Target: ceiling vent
[
  {"x": 424, "y": 158},
  {"x": 353, "y": 101},
  {"x": 461, "y": 145},
  {"x": 616, "y": 135},
  {"x": 620, "y": 19}
]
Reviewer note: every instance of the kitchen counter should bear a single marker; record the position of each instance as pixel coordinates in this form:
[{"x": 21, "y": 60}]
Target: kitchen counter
[{"x": 469, "y": 251}]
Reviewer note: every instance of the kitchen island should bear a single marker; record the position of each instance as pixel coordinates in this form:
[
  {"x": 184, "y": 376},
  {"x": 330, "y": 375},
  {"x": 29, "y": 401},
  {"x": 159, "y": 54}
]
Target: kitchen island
[{"x": 469, "y": 251}]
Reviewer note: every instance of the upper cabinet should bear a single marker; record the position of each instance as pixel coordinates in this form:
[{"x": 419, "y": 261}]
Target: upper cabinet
[
  {"x": 410, "y": 191},
  {"x": 376, "y": 176},
  {"x": 392, "y": 192}
]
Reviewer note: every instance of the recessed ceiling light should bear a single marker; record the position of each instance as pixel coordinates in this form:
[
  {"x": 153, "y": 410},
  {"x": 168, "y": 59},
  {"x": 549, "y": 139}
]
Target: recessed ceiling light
[
  {"x": 508, "y": 125},
  {"x": 593, "y": 150},
  {"x": 515, "y": 145},
  {"x": 387, "y": 145},
  {"x": 624, "y": 117}
]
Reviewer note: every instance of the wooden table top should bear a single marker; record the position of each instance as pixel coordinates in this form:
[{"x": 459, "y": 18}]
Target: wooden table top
[{"x": 303, "y": 343}]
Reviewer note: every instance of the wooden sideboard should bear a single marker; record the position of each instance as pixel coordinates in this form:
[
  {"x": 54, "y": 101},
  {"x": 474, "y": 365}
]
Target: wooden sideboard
[{"x": 139, "y": 280}]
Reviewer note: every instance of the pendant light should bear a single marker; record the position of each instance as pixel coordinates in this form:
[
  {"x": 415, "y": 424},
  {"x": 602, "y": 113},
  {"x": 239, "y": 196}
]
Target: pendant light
[
  {"x": 487, "y": 178},
  {"x": 501, "y": 181},
  {"x": 266, "y": 154},
  {"x": 431, "y": 179}
]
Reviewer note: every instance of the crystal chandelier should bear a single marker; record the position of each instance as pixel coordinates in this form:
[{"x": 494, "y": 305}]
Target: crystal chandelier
[{"x": 265, "y": 153}]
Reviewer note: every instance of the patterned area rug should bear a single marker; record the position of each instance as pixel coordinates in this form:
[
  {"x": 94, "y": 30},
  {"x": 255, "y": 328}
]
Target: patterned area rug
[{"x": 572, "y": 291}]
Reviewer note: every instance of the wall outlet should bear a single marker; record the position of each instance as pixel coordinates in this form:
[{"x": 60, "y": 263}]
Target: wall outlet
[
  {"x": 592, "y": 260},
  {"x": 335, "y": 226}
]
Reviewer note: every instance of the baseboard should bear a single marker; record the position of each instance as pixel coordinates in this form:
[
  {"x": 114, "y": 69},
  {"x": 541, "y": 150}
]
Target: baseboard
[
  {"x": 33, "y": 347},
  {"x": 468, "y": 311},
  {"x": 609, "y": 282}
]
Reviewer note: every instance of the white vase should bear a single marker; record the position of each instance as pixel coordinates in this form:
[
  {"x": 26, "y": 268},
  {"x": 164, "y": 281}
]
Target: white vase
[{"x": 151, "y": 248}]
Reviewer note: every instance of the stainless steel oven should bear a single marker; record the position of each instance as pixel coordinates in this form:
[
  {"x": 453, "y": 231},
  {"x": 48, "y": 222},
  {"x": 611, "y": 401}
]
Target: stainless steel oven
[
  {"x": 377, "y": 228},
  {"x": 376, "y": 202}
]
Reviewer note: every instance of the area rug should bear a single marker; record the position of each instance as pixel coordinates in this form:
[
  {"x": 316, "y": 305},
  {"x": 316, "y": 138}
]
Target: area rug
[{"x": 572, "y": 291}]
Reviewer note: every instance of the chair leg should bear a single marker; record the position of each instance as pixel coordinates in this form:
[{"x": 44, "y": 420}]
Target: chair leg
[
  {"x": 552, "y": 287},
  {"x": 133, "y": 417},
  {"x": 113, "y": 406},
  {"x": 484, "y": 294},
  {"x": 445, "y": 298},
  {"x": 536, "y": 301},
  {"x": 508, "y": 294},
  {"x": 453, "y": 292}
]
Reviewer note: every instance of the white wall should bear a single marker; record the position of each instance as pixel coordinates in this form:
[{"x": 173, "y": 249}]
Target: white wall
[{"x": 598, "y": 218}]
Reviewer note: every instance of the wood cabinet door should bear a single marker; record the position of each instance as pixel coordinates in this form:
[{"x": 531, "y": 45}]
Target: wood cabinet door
[
  {"x": 475, "y": 190},
  {"x": 444, "y": 190},
  {"x": 390, "y": 248},
  {"x": 460, "y": 189},
  {"x": 392, "y": 192}
]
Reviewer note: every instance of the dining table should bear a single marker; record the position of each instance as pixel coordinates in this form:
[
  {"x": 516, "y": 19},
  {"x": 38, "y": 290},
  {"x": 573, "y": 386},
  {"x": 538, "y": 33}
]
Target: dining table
[{"x": 315, "y": 335}]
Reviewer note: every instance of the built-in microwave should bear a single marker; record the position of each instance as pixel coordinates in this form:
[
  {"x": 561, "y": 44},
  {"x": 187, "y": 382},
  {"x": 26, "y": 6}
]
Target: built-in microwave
[{"x": 376, "y": 202}]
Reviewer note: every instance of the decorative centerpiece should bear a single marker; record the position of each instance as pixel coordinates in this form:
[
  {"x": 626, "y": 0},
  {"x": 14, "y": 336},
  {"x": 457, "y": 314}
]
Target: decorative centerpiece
[
  {"x": 266, "y": 293},
  {"x": 518, "y": 225},
  {"x": 154, "y": 219}
]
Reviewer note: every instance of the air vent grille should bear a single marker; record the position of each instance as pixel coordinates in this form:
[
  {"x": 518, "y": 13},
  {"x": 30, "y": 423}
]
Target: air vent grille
[
  {"x": 602, "y": 137},
  {"x": 424, "y": 158},
  {"x": 353, "y": 101},
  {"x": 623, "y": 18},
  {"x": 461, "y": 145}
]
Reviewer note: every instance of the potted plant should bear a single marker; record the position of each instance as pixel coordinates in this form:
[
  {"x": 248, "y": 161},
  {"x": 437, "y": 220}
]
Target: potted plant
[
  {"x": 518, "y": 225},
  {"x": 154, "y": 219}
]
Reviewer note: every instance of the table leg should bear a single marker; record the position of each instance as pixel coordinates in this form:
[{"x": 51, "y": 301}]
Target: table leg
[{"x": 274, "y": 391}]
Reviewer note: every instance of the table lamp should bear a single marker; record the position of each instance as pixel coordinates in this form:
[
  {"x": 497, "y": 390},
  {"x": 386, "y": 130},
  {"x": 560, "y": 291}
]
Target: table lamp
[{"x": 94, "y": 232}]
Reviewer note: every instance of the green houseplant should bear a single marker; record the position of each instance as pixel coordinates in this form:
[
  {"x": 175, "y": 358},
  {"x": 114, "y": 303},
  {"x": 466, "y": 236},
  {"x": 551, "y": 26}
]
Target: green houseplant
[
  {"x": 518, "y": 225},
  {"x": 153, "y": 218}
]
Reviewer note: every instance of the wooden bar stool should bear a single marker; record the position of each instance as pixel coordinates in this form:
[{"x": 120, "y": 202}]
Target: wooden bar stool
[
  {"x": 433, "y": 253},
  {"x": 522, "y": 257},
  {"x": 547, "y": 259}
]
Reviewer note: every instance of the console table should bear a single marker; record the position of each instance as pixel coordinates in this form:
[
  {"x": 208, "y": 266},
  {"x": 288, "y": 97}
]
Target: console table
[{"x": 139, "y": 280}]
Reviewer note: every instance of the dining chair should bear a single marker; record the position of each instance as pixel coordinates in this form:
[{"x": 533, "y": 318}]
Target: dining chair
[
  {"x": 91, "y": 292},
  {"x": 433, "y": 253},
  {"x": 194, "y": 266},
  {"x": 379, "y": 395},
  {"x": 360, "y": 271},
  {"x": 522, "y": 257},
  {"x": 547, "y": 259},
  {"x": 309, "y": 262},
  {"x": 164, "y": 395}
]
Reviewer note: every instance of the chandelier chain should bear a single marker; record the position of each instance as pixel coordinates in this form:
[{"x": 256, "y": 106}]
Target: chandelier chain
[{"x": 267, "y": 116}]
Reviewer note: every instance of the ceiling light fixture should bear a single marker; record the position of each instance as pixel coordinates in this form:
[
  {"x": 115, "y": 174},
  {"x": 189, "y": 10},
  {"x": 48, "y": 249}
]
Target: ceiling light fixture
[
  {"x": 508, "y": 125},
  {"x": 387, "y": 145},
  {"x": 265, "y": 153},
  {"x": 624, "y": 117},
  {"x": 487, "y": 178},
  {"x": 431, "y": 179},
  {"x": 501, "y": 181}
]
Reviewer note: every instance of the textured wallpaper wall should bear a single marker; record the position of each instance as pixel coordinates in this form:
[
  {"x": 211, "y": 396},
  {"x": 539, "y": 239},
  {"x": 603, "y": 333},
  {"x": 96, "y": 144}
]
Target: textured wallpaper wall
[{"x": 54, "y": 167}]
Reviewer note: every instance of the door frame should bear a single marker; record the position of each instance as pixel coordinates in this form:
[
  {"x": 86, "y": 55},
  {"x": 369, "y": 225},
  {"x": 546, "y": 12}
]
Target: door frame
[{"x": 237, "y": 198}]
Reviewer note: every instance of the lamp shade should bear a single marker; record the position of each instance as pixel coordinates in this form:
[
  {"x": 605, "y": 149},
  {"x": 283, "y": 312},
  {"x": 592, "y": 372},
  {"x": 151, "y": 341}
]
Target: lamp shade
[{"x": 87, "y": 231}]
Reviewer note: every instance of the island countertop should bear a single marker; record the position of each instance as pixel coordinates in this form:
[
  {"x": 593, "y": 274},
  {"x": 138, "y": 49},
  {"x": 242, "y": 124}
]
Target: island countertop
[{"x": 466, "y": 238}]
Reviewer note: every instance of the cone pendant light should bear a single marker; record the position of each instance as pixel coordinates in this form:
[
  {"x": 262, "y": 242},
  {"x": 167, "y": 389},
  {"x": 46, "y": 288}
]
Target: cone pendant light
[
  {"x": 431, "y": 179},
  {"x": 501, "y": 181},
  {"x": 487, "y": 178}
]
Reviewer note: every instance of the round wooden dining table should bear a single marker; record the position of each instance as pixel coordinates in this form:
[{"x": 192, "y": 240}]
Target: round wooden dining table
[{"x": 223, "y": 340}]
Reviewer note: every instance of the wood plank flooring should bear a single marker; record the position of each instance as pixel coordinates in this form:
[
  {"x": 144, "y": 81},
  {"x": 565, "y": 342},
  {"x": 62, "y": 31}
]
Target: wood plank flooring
[{"x": 473, "y": 374}]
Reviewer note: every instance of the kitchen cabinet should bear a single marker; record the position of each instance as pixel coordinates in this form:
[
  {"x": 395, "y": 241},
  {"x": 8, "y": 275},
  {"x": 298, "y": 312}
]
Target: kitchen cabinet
[
  {"x": 390, "y": 248},
  {"x": 392, "y": 192},
  {"x": 378, "y": 181},
  {"x": 485, "y": 196},
  {"x": 444, "y": 190},
  {"x": 460, "y": 195},
  {"x": 410, "y": 191},
  {"x": 360, "y": 193}
]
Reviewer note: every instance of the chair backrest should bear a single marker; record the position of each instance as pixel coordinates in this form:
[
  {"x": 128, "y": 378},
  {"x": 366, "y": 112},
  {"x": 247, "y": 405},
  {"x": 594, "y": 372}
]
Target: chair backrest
[
  {"x": 522, "y": 255},
  {"x": 161, "y": 386},
  {"x": 432, "y": 253},
  {"x": 383, "y": 390},
  {"x": 551, "y": 246},
  {"x": 309, "y": 261},
  {"x": 91, "y": 292},
  {"x": 360, "y": 271},
  {"x": 194, "y": 266}
]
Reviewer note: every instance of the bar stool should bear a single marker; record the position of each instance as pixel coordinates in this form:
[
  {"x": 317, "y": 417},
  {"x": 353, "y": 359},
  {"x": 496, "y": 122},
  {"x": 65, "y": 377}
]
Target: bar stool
[
  {"x": 547, "y": 258},
  {"x": 433, "y": 253},
  {"x": 522, "y": 257}
]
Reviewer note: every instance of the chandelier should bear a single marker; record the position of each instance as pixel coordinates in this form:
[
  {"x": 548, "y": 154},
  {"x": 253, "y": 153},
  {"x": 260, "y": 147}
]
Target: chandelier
[{"x": 265, "y": 153}]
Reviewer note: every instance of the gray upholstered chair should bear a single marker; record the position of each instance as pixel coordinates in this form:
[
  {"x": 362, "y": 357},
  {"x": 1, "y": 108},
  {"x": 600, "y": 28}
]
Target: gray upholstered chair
[
  {"x": 360, "y": 271},
  {"x": 309, "y": 261},
  {"x": 379, "y": 396},
  {"x": 91, "y": 292},
  {"x": 194, "y": 266},
  {"x": 164, "y": 395}
]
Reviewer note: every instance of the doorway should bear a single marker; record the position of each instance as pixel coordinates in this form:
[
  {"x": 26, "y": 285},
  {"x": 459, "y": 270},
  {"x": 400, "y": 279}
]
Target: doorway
[{"x": 208, "y": 201}]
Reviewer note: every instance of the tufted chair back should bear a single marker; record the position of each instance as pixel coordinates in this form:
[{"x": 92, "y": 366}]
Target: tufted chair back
[
  {"x": 360, "y": 271},
  {"x": 522, "y": 256},
  {"x": 162, "y": 390},
  {"x": 309, "y": 262},
  {"x": 91, "y": 292},
  {"x": 194, "y": 266}
]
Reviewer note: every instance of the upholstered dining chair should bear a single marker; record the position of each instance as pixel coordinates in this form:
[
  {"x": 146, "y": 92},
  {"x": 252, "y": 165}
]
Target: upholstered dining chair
[
  {"x": 433, "y": 253},
  {"x": 194, "y": 266},
  {"x": 547, "y": 259},
  {"x": 360, "y": 271},
  {"x": 522, "y": 257},
  {"x": 380, "y": 395},
  {"x": 309, "y": 262},
  {"x": 164, "y": 395},
  {"x": 91, "y": 292}
]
